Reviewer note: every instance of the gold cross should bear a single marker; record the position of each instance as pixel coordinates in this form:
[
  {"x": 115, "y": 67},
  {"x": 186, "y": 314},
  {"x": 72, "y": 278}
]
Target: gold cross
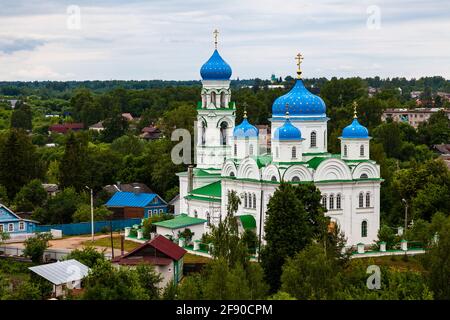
[
  {"x": 299, "y": 59},
  {"x": 216, "y": 34},
  {"x": 355, "y": 105}
]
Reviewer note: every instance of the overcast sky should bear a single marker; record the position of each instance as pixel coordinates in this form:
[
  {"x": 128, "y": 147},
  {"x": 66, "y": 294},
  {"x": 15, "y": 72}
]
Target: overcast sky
[{"x": 171, "y": 39}]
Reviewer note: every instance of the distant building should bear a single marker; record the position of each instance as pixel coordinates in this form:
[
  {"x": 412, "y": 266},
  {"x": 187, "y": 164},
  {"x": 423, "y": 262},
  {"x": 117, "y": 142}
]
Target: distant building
[
  {"x": 51, "y": 188},
  {"x": 166, "y": 256},
  {"x": 172, "y": 227},
  {"x": 127, "y": 116},
  {"x": 15, "y": 226},
  {"x": 444, "y": 95},
  {"x": 65, "y": 127},
  {"x": 412, "y": 116},
  {"x": 415, "y": 94},
  {"x": 62, "y": 275},
  {"x": 127, "y": 187},
  {"x": 125, "y": 205},
  {"x": 150, "y": 133},
  {"x": 444, "y": 151},
  {"x": 97, "y": 126}
]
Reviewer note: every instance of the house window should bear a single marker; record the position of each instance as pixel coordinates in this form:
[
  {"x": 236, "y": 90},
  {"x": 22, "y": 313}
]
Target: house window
[
  {"x": 235, "y": 149},
  {"x": 10, "y": 227},
  {"x": 208, "y": 218},
  {"x": 331, "y": 201},
  {"x": 294, "y": 152},
  {"x": 254, "y": 201},
  {"x": 251, "y": 149},
  {"x": 295, "y": 179},
  {"x": 361, "y": 200},
  {"x": 21, "y": 226},
  {"x": 368, "y": 199},
  {"x": 361, "y": 151},
  {"x": 161, "y": 210},
  {"x": 313, "y": 139},
  {"x": 245, "y": 200},
  {"x": 195, "y": 213},
  {"x": 345, "y": 150},
  {"x": 324, "y": 201},
  {"x": 338, "y": 201},
  {"x": 364, "y": 229}
]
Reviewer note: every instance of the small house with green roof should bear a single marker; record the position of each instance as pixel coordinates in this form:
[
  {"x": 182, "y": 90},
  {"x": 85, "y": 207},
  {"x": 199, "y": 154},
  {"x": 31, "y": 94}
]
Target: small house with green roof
[{"x": 172, "y": 227}]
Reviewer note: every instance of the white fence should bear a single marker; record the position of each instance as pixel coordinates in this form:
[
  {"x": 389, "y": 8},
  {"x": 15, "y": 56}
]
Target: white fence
[{"x": 49, "y": 254}]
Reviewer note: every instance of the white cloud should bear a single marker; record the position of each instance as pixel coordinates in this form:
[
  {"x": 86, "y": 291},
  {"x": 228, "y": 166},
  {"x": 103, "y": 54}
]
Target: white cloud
[{"x": 170, "y": 39}]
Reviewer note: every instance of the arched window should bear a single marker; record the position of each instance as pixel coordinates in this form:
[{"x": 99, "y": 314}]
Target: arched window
[
  {"x": 324, "y": 201},
  {"x": 361, "y": 200},
  {"x": 245, "y": 200},
  {"x": 277, "y": 152},
  {"x": 364, "y": 229},
  {"x": 254, "y": 201},
  {"x": 232, "y": 174},
  {"x": 364, "y": 176},
  {"x": 368, "y": 199},
  {"x": 213, "y": 98},
  {"x": 331, "y": 201},
  {"x": 325, "y": 139},
  {"x": 338, "y": 201},
  {"x": 195, "y": 213},
  {"x": 313, "y": 139},
  {"x": 294, "y": 152},
  {"x": 361, "y": 151},
  {"x": 295, "y": 179},
  {"x": 251, "y": 150},
  {"x": 274, "y": 179},
  {"x": 235, "y": 149},
  {"x": 223, "y": 133},
  {"x": 345, "y": 151},
  {"x": 208, "y": 218},
  {"x": 203, "y": 133}
]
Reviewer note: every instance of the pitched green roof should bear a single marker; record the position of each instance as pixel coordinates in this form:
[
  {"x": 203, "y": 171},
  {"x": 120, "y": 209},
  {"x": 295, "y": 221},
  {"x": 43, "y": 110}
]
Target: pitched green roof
[
  {"x": 248, "y": 221},
  {"x": 211, "y": 190},
  {"x": 180, "y": 221},
  {"x": 207, "y": 199},
  {"x": 263, "y": 160}
]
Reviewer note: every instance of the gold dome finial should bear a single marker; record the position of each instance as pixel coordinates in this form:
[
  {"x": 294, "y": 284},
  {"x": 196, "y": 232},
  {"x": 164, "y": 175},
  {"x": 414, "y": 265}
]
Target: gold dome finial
[
  {"x": 245, "y": 114},
  {"x": 299, "y": 59},
  {"x": 355, "y": 105},
  {"x": 216, "y": 35}
]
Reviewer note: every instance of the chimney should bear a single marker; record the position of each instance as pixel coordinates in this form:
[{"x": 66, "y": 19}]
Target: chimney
[
  {"x": 118, "y": 186},
  {"x": 190, "y": 177}
]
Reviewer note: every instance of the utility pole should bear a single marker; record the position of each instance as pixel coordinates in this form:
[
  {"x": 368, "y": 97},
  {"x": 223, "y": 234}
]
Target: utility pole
[
  {"x": 92, "y": 212},
  {"x": 406, "y": 214}
]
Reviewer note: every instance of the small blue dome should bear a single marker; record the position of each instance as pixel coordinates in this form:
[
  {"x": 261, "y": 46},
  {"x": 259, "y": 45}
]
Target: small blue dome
[
  {"x": 287, "y": 132},
  {"x": 355, "y": 130},
  {"x": 300, "y": 102},
  {"x": 245, "y": 129},
  {"x": 215, "y": 68}
]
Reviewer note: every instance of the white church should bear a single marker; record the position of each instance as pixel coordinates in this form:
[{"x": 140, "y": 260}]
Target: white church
[{"x": 231, "y": 157}]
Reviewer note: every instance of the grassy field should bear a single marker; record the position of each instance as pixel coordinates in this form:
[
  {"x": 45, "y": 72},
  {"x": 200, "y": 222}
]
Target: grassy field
[
  {"x": 193, "y": 258},
  {"x": 106, "y": 242},
  {"x": 399, "y": 263}
]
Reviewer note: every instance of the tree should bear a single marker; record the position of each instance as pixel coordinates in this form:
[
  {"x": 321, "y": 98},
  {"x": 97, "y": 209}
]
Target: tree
[
  {"x": 310, "y": 274},
  {"x": 35, "y": 246},
  {"x": 294, "y": 218},
  {"x": 436, "y": 130},
  {"x": 181, "y": 117},
  {"x": 83, "y": 213},
  {"x": 115, "y": 125},
  {"x": 73, "y": 165},
  {"x": 106, "y": 282},
  {"x": 226, "y": 241},
  {"x": 19, "y": 162},
  {"x": 128, "y": 144},
  {"x": 31, "y": 196},
  {"x": 88, "y": 256},
  {"x": 22, "y": 116},
  {"x": 437, "y": 263},
  {"x": 149, "y": 279}
]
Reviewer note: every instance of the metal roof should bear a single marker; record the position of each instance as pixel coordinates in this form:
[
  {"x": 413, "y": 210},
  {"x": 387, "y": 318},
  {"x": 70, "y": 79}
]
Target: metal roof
[
  {"x": 180, "y": 221},
  {"x": 130, "y": 199},
  {"x": 62, "y": 271}
]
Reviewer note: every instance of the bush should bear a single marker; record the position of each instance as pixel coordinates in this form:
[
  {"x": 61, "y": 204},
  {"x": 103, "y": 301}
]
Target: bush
[
  {"x": 87, "y": 256},
  {"x": 35, "y": 246}
]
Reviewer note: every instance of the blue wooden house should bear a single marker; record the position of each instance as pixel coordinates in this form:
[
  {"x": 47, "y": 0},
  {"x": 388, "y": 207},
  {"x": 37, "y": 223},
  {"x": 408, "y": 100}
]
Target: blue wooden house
[
  {"x": 14, "y": 225},
  {"x": 126, "y": 205}
]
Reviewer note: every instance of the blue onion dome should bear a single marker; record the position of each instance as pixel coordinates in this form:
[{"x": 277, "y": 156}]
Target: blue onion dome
[
  {"x": 355, "y": 131},
  {"x": 216, "y": 68},
  {"x": 301, "y": 102},
  {"x": 287, "y": 132},
  {"x": 245, "y": 129}
]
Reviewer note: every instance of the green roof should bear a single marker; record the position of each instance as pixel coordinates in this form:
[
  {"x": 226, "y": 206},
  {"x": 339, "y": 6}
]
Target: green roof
[
  {"x": 210, "y": 199},
  {"x": 180, "y": 221},
  {"x": 263, "y": 160},
  {"x": 248, "y": 221},
  {"x": 211, "y": 190}
]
